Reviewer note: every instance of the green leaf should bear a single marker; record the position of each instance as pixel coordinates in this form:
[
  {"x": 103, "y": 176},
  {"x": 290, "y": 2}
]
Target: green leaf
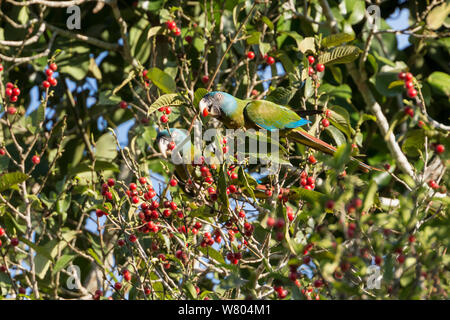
[
  {"x": 190, "y": 289},
  {"x": 387, "y": 84},
  {"x": 171, "y": 99},
  {"x": 62, "y": 262},
  {"x": 340, "y": 118},
  {"x": 307, "y": 45},
  {"x": 198, "y": 95},
  {"x": 304, "y": 194},
  {"x": 99, "y": 166},
  {"x": 223, "y": 187},
  {"x": 94, "y": 69},
  {"x": 414, "y": 142},
  {"x": 440, "y": 82},
  {"x": 437, "y": 16},
  {"x": 162, "y": 80},
  {"x": 342, "y": 54},
  {"x": 281, "y": 95},
  {"x": 369, "y": 196},
  {"x": 337, "y": 39},
  {"x": 105, "y": 147},
  {"x": 358, "y": 10},
  {"x": 10, "y": 179},
  {"x": 254, "y": 38},
  {"x": 213, "y": 253},
  {"x": 108, "y": 98},
  {"x": 37, "y": 117},
  {"x": 396, "y": 83},
  {"x": 337, "y": 135},
  {"x": 294, "y": 35},
  {"x": 268, "y": 22},
  {"x": 153, "y": 31}
]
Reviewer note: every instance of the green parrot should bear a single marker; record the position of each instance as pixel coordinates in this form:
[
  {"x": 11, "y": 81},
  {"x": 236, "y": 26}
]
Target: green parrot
[{"x": 235, "y": 113}]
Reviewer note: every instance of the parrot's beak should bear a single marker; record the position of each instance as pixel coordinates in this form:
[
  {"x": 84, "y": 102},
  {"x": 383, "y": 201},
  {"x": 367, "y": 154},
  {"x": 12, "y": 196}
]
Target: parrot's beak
[
  {"x": 163, "y": 146},
  {"x": 207, "y": 108}
]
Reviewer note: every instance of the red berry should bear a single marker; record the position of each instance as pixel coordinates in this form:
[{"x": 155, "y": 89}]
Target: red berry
[
  {"x": 378, "y": 260},
  {"x": 232, "y": 188},
  {"x": 123, "y": 104},
  {"x": 111, "y": 182},
  {"x": 270, "y": 60},
  {"x": 268, "y": 192},
  {"x": 2, "y": 152},
  {"x": 15, "y": 91},
  {"x": 14, "y": 242},
  {"x": 173, "y": 182},
  {"x": 132, "y": 238},
  {"x": 9, "y": 85},
  {"x": 22, "y": 290},
  {"x": 318, "y": 283},
  {"x": 53, "y": 66},
  {"x": 251, "y": 55},
  {"x": 411, "y": 93},
  {"x": 142, "y": 180},
  {"x": 401, "y": 75},
  {"x": 408, "y": 76},
  {"x": 99, "y": 213},
  {"x": 53, "y": 82},
  {"x": 401, "y": 259},
  {"x": 409, "y": 111},
  {"x": 46, "y": 84},
  {"x": 49, "y": 72},
  {"x": 36, "y": 159},
  {"x": 188, "y": 39},
  {"x": 320, "y": 67},
  {"x": 234, "y": 176},
  {"x": 411, "y": 239},
  {"x": 13, "y": 98},
  {"x": 433, "y": 184},
  {"x": 164, "y": 118},
  {"x": 1, "y": 68},
  {"x": 133, "y": 186},
  {"x": 205, "y": 79},
  {"x": 171, "y": 25},
  {"x": 312, "y": 160},
  {"x": 270, "y": 222},
  {"x": 255, "y": 92},
  {"x": 117, "y": 286},
  {"x": 8, "y": 92},
  {"x": 11, "y": 110},
  {"x": 325, "y": 122},
  {"x": 176, "y": 31},
  {"x": 310, "y": 180},
  {"x": 329, "y": 204},
  {"x": 328, "y": 113},
  {"x": 135, "y": 199},
  {"x": 440, "y": 149},
  {"x": 310, "y": 71},
  {"x": 120, "y": 242},
  {"x": 2, "y": 232},
  {"x": 167, "y": 110},
  {"x": 311, "y": 59},
  {"x": 409, "y": 84}
]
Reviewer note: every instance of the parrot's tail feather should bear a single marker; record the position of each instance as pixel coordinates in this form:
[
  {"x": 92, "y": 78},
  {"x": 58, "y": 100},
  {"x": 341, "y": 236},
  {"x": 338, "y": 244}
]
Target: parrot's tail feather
[{"x": 317, "y": 144}]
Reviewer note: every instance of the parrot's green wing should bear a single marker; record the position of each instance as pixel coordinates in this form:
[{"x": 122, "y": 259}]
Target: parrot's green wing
[{"x": 271, "y": 116}]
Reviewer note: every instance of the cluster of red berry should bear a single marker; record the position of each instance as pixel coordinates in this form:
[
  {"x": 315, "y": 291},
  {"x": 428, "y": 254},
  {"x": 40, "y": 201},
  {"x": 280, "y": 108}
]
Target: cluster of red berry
[
  {"x": 13, "y": 241},
  {"x": 319, "y": 66},
  {"x": 51, "y": 81},
  {"x": 269, "y": 60},
  {"x": 307, "y": 182},
  {"x": 166, "y": 111},
  {"x": 279, "y": 226},
  {"x": 234, "y": 257},
  {"x": 172, "y": 26},
  {"x": 12, "y": 92},
  {"x": 409, "y": 84},
  {"x": 281, "y": 292}
]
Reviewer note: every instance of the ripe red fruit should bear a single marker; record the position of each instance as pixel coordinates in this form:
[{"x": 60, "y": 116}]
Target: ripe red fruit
[
  {"x": 49, "y": 72},
  {"x": 408, "y": 76},
  {"x": 2, "y": 152},
  {"x": 188, "y": 39},
  {"x": 329, "y": 204},
  {"x": 164, "y": 118},
  {"x": 132, "y": 238},
  {"x": 411, "y": 93},
  {"x": 320, "y": 67},
  {"x": 2, "y": 232},
  {"x": 311, "y": 59},
  {"x": 135, "y": 199},
  {"x": 270, "y": 60},
  {"x": 8, "y": 92},
  {"x": 111, "y": 182},
  {"x": 270, "y": 222},
  {"x": 411, "y": 239},
  {"x": 306, "y": 259},
  {"x": 325, "y": 123},
  {"x": 22, "y": 290},
  {"x": 13, "y": 98},
  {"x": 171, "y": 25},
  {"x": 409, "y": 111},
  {"x": 176, "y": 31},
  {"x": 318, "y": 283},
  {"x": 234, "y": 176},
  {"x": 312, "y": 160},
  {"x": 133, "y": 186},
  {"x": 1, "y": 68},
  {"x": 15, "y": 91},
  {"x": 142, "y": 180},
  {"x": 46, "y": 84},
  {"x": 99, "y": 213},
  {"x": 440, "y": 149},
  {"x": 117, "y": 286},
  {"x": 255, "y": 92},
  {"x": 409, "y": 84},
  {"x": 53, "y": 66},
  {"x": 378, "y": 260},
  {"x": 205, "y": 79},
  {"x": 401, "y": 259},
  {"x": 251, "y": 55},
  {"x": 167, "y": 110},
  {"x": 268, "y": 192},
  {"x": 123, "y": 104},
  {"x": 310, "y": 71},
  {"x": 433, "y": 184},
  {"x": 310, "y": 180},
  {"x": 9, "y": 85},
  {"x": 120, "y": 242},
  {"x": 173, "y": 182},
  {"x": 11, "y": 110},
  {"x": 290, "y": 216},
  {"x": 328, "y": 113},
  {"x": 14, "y": 242},
  {"x": 401, "y": 75},
  {"x": 36, "y": 159},
  {"x": 53, "y": 81}
]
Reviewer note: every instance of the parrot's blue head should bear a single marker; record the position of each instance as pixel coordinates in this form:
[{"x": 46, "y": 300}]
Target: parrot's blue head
[
  {"x": 217, "y": 104},
  {"x": 166, "y": 141}
]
